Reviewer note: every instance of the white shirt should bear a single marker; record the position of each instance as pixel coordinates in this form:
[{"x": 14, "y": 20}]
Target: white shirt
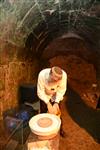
[{"x": 46, "y": 91}]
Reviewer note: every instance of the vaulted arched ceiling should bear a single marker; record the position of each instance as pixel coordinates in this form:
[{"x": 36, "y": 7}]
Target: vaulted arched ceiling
[{"x": 43, "y": 20}]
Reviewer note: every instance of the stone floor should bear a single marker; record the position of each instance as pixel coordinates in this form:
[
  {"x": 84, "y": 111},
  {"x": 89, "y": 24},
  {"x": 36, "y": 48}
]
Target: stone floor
[{"x": 81, "y": 123}]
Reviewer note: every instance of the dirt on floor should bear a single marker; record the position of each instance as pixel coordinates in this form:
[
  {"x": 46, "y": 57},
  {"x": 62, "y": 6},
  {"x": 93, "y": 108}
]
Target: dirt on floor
[{"x": 81, "y": 124}]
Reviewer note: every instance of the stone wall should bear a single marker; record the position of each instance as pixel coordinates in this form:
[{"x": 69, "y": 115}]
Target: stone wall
[{"x": 15, "y": 69}]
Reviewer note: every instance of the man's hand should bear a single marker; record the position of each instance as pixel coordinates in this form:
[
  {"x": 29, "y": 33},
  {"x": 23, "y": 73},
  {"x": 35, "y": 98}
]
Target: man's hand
[
  {"x": 50, "y": 108},
  {"x": 53, "y": 109},
  {"x": 56, "y": 108}
]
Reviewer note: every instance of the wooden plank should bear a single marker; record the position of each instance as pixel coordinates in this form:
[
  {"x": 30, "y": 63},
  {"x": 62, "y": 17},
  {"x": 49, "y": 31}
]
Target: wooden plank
[{"x": 12, "y": 144}]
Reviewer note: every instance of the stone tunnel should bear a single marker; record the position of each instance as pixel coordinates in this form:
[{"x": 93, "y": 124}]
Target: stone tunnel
[{"x": 38, "y": 34}]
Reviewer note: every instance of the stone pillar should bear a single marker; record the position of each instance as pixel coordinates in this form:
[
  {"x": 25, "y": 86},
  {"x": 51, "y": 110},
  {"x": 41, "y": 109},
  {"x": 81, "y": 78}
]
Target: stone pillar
[{"x": 33, "y": 142}]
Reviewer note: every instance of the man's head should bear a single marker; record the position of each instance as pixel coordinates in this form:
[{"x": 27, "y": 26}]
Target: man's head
[{"x": 56, "y": 73}]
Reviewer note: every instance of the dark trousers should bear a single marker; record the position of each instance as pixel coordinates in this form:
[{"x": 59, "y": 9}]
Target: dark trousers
[{"x": 43, "y": 107}]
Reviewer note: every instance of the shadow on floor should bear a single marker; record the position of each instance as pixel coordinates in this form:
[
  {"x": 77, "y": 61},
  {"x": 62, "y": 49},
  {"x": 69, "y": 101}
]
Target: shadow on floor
[{"x": 85, "y": 117}]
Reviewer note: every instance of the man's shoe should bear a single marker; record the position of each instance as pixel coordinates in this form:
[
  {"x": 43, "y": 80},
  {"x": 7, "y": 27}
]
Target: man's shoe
[{"x": 63, "y": 133}]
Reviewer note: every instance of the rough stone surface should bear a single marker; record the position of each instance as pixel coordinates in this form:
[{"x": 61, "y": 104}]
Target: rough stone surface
[
  {"x": 51, "y": 144},
  {"x": 12, "y": 76},
  {"x": 81, "y": 77},
  {"x": 81, "y": 124}
]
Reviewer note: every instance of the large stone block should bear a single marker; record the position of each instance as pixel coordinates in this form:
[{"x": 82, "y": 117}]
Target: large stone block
[{"x": 34, "y": 143}]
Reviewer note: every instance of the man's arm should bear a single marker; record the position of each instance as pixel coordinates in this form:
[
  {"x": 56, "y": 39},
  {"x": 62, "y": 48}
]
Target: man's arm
[
  {"x": 61, "y": 89},
  {"x": 41, "y": 90}
]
